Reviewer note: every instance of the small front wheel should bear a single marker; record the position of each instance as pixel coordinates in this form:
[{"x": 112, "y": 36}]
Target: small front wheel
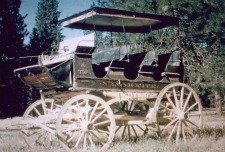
[
  {"x": 86, "y": 121},
  {"x": 36, "y": 112}
]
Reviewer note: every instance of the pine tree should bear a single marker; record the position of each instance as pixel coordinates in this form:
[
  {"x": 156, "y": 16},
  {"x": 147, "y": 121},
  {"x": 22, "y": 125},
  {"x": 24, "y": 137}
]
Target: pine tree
[
  {"x": 47, "y": 32},
  {"x": 12, "y": 28},
  {"x": 12, "y": 33}
]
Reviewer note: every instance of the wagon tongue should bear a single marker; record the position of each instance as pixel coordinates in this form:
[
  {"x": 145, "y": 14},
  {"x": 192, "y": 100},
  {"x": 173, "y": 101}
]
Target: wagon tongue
[{"x": 114, "y": 20}]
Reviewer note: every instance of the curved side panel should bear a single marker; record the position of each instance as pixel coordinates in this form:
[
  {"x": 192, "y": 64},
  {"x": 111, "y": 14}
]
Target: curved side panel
[
  {"x": 61, "y": 74},
  {"x": 43, "y": 78}
]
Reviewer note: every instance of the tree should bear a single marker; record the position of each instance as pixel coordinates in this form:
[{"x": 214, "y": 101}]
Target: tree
[
  {"x": 47, "y": 31},
  {"x": 200, "y": 39},
  {"x": 159, "y": 40},
  {"x": 12, "y": 28},
  {"x": 203, "y": 41},
  {"x": 12, "y": 33}
]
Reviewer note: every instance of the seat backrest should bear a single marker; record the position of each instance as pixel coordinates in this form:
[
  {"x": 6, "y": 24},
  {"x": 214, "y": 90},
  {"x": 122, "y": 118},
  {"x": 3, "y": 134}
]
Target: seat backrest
[
  {"x": 162, "y": 61},
  {"x": 151, "y": 57},
  {"x": 70, "y": 45},
  {"x": 110, "y": 54}
]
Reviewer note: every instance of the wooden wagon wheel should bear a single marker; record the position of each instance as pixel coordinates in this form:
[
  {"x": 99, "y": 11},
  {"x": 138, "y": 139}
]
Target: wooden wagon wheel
[
  {"x": 179, "y": 112},
  {"x": 35, "y": 113},
  {"x": 84, "y": 121},
  {"x": 129, "y": 115}
]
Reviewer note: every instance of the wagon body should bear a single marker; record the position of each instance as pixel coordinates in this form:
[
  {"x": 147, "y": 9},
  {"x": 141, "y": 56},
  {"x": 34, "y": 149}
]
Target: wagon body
[
  {"x": 83, "y": 66},
  {"x": 142, "y": 88}
]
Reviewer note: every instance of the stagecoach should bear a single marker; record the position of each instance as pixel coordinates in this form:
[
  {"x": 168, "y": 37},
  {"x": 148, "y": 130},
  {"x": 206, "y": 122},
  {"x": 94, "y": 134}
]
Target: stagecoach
[{"x": 125, "y": 91}]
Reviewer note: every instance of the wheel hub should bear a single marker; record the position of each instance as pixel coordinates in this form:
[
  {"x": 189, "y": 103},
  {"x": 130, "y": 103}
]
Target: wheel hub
[
  {"x": 181, "y": 115},
  {"x": 86, "y": 126}
]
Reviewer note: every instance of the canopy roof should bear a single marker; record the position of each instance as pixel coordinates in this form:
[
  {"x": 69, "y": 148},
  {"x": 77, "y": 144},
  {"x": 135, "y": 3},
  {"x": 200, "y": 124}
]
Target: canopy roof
[{"x": 114, "y": 20}]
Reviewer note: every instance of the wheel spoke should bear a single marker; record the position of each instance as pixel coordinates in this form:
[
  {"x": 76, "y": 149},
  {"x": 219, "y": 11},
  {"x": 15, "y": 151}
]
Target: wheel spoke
[
  {"x": 167, "y": 108},
  {"x": 171, "y": 117},
  {"x": 57, "y": 105},
  {"x": 98, "y": 139},
  {"x": 79, "y": 139},
  {"x": 82, "y": 102},
  {"x": 101, "y": 123},
  {"x": 103, "y": 131},
  {"x": 124, "y": 129},
  {"x": 71, "y": 129},
  {"x": 78, "y": 110},
  {"x": 68, "y": 121},
  {"x": 86, "y": 105},
  {"x": 140, "y": 128},
  {"x": 191, "y": 107},
  {"x": 134, "y": 131},
  {"x": 101, "y": 113},
  {"x": 29, "y": 116},
  {"x": 192, "y": 123},
  {"x": 189, "y": 129},
  {"x": 181, "y": 97},
  {"x": 124, "y": 106},
  {"x": 175, "y": 98},
  {"x": 93, "y": 111},
  {"x": 130, "y": 106},
  {"x": 51, "y": 107},
  {"x": 85, "y": 142},
  {"x": 169, "y": 124},
  {"x": 183, "y": 132},
  {"x": 74, "y": 134},
  {"x": 91, "y": 141},
  {"x": 40, "y": 137},
  {"x": 171, "y": 133},
  {"x": 194, "y": 114},
  {"x": 37, "y": 112},
  {"x": 128, "y": 127},
  {"x": 178, "y": 132},
  {"x": 171, "y": 102},
  {"x": 118, "y": 129},
  {"x": 79, "y": 118},
  {"x": 187, "y": 100}
]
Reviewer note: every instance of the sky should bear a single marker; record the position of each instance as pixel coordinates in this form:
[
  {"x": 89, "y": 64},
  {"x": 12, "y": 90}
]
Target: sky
[{"x": 66, "y": 7}]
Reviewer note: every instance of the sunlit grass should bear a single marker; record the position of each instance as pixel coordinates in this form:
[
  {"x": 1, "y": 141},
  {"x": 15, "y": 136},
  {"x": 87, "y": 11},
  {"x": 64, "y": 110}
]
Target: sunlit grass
[{"x": 211, "y": 139}]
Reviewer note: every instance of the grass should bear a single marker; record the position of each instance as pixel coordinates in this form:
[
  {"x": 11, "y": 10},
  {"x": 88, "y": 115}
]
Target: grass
[{"x": 211, "y": 139}]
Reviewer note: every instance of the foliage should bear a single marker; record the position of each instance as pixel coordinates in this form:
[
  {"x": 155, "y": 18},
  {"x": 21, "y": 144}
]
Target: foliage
[
  {"x": 11, "y": 28},
  {"x": 200, "y": 39},
  {"x": 203, "y": 42},
  {"x": 159, "y": 40},
  {"x": 46, "y": 34},
  {"x": 13, "y": 93}
]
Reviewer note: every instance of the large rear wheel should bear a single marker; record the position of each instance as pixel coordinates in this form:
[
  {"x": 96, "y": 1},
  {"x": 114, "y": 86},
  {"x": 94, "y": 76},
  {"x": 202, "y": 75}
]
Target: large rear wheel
[{"x": 179, "y": 112}]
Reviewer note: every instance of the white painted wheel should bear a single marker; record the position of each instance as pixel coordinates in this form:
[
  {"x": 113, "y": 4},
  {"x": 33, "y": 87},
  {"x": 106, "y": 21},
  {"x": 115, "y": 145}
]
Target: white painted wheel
[
  {"x": 36, "y": 135},
  {"x": 84, "y": 121},
  {"x": 126, "y": 113},
  {"x": 179, "y": 112}
]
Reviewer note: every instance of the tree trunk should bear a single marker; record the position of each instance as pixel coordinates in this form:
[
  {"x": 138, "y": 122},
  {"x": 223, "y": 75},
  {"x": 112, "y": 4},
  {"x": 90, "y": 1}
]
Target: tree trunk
[{"x": 218, "y": 102}]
